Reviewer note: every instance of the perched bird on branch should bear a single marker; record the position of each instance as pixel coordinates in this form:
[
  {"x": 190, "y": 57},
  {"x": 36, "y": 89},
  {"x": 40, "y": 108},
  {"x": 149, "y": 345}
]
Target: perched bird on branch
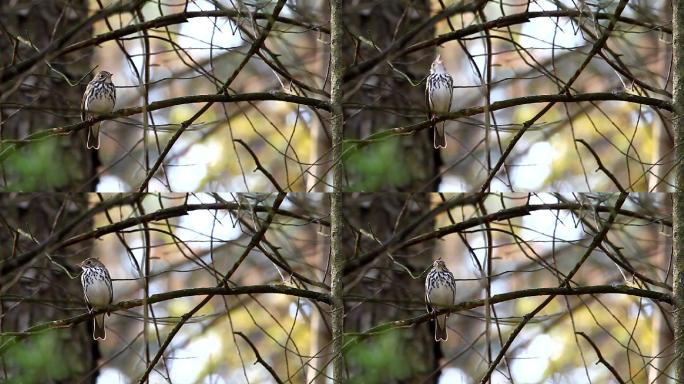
[
  {"x": 440, "y": 292},
  {"x": 439, "y": 92},
  {"x": 97, "y": 289},
  {"x": 98, "y": 98}
]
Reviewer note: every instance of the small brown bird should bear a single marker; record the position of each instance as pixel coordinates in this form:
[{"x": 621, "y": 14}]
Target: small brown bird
[
  {"x": 97, "y": 289},
  {"x": 439, "y": 92},
  {"x": 440, "y": 292},
  {"x": 98, "y": 98}
]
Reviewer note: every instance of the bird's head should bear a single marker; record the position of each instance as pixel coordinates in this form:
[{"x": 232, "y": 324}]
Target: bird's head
[
  {"x": 439, "y": 264},
  {"x": 437, "y": 65},
  {"x": 104, "y": 76},
  {"x": 91, "y": 262}
]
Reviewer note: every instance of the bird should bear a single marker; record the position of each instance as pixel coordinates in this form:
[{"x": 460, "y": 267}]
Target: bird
[
  {"x": 440, "y": 292},
  {"x": 98, "y": 98},
  {"x": 439, "y": 91},
  {"x": 97, "y": 289}
]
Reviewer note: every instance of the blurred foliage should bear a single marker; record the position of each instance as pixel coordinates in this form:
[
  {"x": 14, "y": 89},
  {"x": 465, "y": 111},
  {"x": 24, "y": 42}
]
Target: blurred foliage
[
  {"x": 41, "y": 166},
  {"x": 41, "y": 359},
  {"x": 376, "y": 166},
  {"x": 381, "y": 359},
  {"x": 280, "y": 326}
]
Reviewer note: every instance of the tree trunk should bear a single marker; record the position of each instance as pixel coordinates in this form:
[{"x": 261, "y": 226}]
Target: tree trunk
[
  {"x": 384, "y": 98},
  {"x": 678, "y": 198},
  {"x": 398, "y": 100},
  {"x": 40, "y": 290},
  {"x": 391, "y": 291},
  {"x": 660, "y": 181},
  {"x": 662, "y": 328},
  {"x": 41, "y": 99},
  {"x": 336, "y": 255}
]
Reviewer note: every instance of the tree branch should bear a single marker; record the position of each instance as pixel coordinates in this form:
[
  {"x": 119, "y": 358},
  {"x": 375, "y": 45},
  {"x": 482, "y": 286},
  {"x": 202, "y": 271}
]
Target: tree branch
[
  {"x": 127, "y": 304},
  {"x": 601, "y": 359}
]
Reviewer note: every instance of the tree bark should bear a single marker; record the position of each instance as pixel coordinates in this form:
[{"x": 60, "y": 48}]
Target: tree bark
[
  {"x": 404, "y": 163},
  {"x": 386, "y": 278},
  {"x": 42, "y": 98},
  {"x": 43, "y": 290},
  {"x": 678, "y": 197},
  {"x": 388, "y": 87},
  {"x": 336, "y": 255},
  {"x": 660, "y": 181}
]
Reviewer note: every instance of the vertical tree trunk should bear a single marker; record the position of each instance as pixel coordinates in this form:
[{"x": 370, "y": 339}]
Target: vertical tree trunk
[
  {"x": 391, "y": 291},
  {"x": 678, "y": 198},
  {"x": 400, "y": 295},
  {"x": 662, "y": 329},
  {"x": 384, "y": 98},
  {"x": 61, "y": 162},
  {"x": 39, "y": 290},
  {"x": 336, "y": 255},
  {"x": 659, "y": 182}
]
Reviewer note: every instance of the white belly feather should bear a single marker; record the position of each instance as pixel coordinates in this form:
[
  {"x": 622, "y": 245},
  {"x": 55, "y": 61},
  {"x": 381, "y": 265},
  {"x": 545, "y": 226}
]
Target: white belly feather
[
  {"x": 101, "y": 105},
  {"x": 98, "y": 294},
  {"x": 440, "y": 100},
  {"x": 441, "y": 296}
]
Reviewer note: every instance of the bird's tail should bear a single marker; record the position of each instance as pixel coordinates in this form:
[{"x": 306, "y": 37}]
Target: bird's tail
[
  {"x": 93, "y": 136},
  {"x": 99, "y": 327},
  {"x": 440, "y": 328},
  {"x": 440, "y": 138}
]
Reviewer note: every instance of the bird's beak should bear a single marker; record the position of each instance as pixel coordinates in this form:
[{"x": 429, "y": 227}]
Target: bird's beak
[{"x": 438, "y": 58}]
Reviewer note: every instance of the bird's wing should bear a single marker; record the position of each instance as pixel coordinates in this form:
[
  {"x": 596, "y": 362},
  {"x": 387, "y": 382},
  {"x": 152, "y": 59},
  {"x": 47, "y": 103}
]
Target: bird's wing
[
  {"x": 90, "y": 308},
  {"x": 84, "y": 291},
  {"x": 427, "y": 302},
  {"x": 427, "y": 97},
  {"x": 83, "y": 101},
  {"x": 450, "y": 84}
]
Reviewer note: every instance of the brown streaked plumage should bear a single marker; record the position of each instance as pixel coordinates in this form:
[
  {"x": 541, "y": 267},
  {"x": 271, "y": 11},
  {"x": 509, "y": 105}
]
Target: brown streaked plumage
[
  {"x": 439, "y": 92},
  {"x": 440, "y": 292},
  {"x": 98, "y": 292},
  {"x": 98, "y": 98}
]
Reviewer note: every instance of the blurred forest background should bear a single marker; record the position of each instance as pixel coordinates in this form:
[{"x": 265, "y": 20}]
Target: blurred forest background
[
  {"x": 220, "y": 141},
  {"x": 510, "y": 254},
  {"x": 543, "y": 90}
]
